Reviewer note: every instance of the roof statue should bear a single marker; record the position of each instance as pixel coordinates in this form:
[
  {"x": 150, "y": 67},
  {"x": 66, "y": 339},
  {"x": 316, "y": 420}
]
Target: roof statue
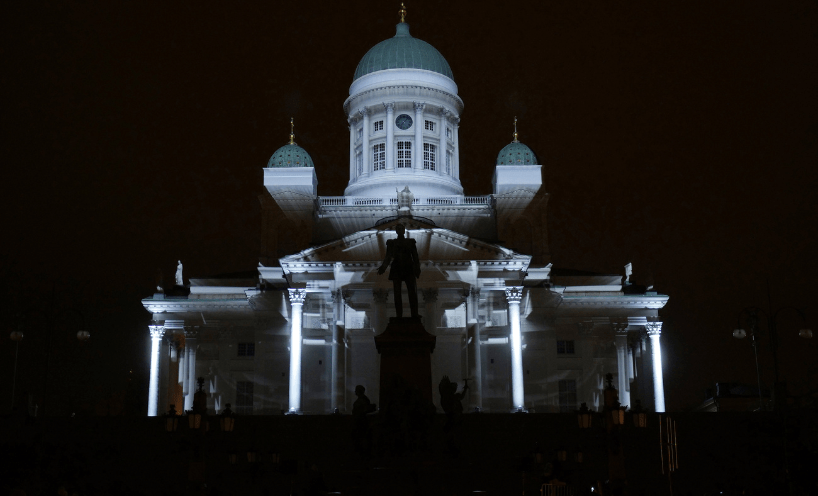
[{"x": 179, "y": 279}]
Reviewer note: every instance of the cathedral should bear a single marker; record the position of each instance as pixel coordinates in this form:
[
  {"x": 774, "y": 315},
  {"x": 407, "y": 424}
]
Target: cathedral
[{"x": 297, "y": 335}]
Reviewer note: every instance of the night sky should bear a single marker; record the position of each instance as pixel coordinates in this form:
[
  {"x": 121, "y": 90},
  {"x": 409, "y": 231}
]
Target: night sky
[{"x": 680, "y": 136}]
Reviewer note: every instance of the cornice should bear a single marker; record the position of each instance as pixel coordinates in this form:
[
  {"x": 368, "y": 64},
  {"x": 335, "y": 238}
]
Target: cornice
[
  {"x": 399, "y": 90},
  {"x": 175, "y": 306},
  {"x": 627, "y": 301}
]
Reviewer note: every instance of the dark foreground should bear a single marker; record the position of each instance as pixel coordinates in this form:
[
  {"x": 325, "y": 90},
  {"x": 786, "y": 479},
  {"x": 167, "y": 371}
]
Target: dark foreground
[{"x": 718, "y": 453}]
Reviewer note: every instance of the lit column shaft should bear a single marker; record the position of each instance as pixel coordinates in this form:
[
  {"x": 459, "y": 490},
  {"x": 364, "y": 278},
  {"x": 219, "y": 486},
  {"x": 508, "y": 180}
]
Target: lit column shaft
[
  {"x": 621, "y": 340},
  {"x": 441, "y": 150},
  {"x": 353, "y": 174},
  {"x": 655, "y": 331},
  {"x": 153, "y": 388},
  {"x": 514, "y": 295},
  {"x": 456, "y": 158},
  {"x": 297, "y": 297},
  {"x": 365, "y": 152},
  {"x": 337, "y": 400},
  {"x": 190, "y": 362},
  {"x": 473, "y": 314},
  {"x": 390, "y": 135},
  {"x": 418, "y": 156}
]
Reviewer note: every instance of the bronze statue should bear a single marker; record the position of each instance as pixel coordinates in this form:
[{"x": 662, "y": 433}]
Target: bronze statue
[{"x": 402, "y": 254}]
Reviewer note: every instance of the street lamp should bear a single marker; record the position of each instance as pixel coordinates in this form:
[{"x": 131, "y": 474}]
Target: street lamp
[
  {"x": 227, "y": 420},
  {"x": 171, "y": 419},
  {"x": 50, "y": 317},
  {"x": 640, "y": 416},
  {"x": 752, "y": 319}
]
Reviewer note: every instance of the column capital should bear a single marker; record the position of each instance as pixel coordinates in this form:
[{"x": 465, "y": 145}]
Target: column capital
[
  {"x": 191, "y": 332},
  {"x": 389, "y": 106},
  {"x": 363, "y": 111},
  {"x": 443, "y": 112},
  {"x": 475, "y": 291},
  {"x": 418, "y": 106},
  {"x": 429, "y": 294},
  {"x": 157, "y": 331},
  {"x": 653, "y": 328},
  {"x": 380, "y": 295},
  {"x": 297, "y": 296},
  {"x": 514, "y": 294}
]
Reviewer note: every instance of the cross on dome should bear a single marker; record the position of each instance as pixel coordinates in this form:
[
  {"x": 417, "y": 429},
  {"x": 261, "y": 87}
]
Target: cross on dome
[{"x": 402, "y": 12}]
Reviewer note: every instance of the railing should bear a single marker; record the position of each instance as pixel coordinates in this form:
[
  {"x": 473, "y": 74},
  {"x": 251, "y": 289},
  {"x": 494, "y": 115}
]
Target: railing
[
  {"x": 350, "y": 201},
  {"x": 556, "y": 490}
]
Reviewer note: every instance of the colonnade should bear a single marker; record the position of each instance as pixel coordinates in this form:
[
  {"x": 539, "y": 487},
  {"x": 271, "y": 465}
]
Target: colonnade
[
  {"x": 366, "y": 116},
  {"x": 627, "y": 354}
]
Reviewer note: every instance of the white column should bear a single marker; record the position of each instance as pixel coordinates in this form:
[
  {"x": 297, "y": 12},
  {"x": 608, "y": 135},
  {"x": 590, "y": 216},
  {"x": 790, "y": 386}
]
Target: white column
[
  {"x": 183, "y": 369},
  {"x": 190, "y": 363},
  {"x": 337, "y": 400},
  {"x": 365, "y": 152},
  {"x": 297, "y": 297},
  {"x": 352, "y": 172},
  {"x": 514, "y": 294},
  {"x": 441, "y": 150},
  {"x": 631, "y": 372},
  {"x": 390, "y": 135},
  {"x": 621, "y": 340},
  {"x": 157, "y": 332},
  {"x": 456, "y": 158},
  {"x": 654, "y": 330},
  {"x": 473, "y": 320},
  {"x": 418, "y": 153}
]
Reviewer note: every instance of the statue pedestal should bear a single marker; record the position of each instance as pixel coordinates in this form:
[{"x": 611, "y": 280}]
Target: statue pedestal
[{"x": 405, "y": 348}]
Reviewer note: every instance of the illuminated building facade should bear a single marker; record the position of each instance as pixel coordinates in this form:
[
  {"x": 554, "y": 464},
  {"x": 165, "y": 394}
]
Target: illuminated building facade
[{"x": 297, "y": 334}]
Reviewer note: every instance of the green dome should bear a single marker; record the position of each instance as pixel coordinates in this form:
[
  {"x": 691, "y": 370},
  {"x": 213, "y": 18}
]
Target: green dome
[
  {"x": 516, "y": 153},
  {"x": 403, "y": 52},
  {"x": 290, "y": 155}
]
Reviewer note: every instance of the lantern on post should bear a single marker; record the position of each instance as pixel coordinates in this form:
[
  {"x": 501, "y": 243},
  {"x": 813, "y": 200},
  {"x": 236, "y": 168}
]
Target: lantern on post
[
  {"x": 171, "y": 419},
  {"x": 227, "y": 419},
  {"x": 640, "y": 416},
  {"x": 584, "y": 416}
]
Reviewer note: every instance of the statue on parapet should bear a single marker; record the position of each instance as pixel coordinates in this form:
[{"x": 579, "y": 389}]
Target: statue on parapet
[
  {"x": 402, "y": 255},
  {"x": 180, "y": 281},
  {"x": 405, "y": 200}
]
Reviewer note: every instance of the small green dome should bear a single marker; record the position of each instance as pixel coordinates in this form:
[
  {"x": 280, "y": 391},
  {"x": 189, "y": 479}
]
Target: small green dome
[
  {"x": 516, "y": 153},
  {"x": 290, "y": 155},
  {"x": 403, "y": 52}
]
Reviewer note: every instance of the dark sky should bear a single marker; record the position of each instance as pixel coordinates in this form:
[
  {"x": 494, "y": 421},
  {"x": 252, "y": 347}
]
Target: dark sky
[{"x": 680, "y": 136}]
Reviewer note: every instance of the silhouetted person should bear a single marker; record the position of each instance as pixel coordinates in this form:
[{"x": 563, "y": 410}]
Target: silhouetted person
[
  {"x": 402, "y": 254},
  {"x": 360, "y": 424},
  {"x": 451, "y": 400}
]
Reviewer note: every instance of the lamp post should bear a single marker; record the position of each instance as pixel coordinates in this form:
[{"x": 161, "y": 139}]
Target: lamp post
[
  {"x": 51, "y": 317},
  {"x": 751, "y": 316}
]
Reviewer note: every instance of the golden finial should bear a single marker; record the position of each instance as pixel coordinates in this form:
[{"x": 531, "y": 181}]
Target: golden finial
[
  {"x": 292, "y": 132},
  {"x": 515, "y": 130},
  {"x": 402, "y": 12}
]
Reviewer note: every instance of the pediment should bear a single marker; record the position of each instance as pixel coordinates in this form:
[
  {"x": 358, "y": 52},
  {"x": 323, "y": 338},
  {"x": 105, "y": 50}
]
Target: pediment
[{"x": 433, "y": 244}]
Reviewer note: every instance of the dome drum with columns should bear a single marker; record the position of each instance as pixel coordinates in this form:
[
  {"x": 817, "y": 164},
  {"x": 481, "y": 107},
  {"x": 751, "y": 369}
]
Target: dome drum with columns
[{"x": 296, "y": 334}]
